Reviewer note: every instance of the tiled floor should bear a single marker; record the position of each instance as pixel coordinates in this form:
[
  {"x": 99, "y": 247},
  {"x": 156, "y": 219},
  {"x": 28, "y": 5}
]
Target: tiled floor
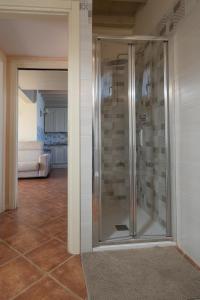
[{"x": 34, "y": 262}]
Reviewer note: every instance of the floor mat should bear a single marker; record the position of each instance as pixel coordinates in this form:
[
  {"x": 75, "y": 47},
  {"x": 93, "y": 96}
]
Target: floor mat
[{"x": 160, "y": 273}]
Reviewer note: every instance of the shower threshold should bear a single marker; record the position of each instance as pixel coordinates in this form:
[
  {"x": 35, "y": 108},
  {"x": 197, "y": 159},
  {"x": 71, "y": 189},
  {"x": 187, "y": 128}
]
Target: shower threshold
[{"x": 134, "y": 244}]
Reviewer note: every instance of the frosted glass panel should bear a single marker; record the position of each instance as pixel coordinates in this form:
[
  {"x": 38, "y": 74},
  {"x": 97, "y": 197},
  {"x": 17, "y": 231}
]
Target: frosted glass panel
[
  {"x": 114, "y": 140},
  {"x": 150, "y": 139}
]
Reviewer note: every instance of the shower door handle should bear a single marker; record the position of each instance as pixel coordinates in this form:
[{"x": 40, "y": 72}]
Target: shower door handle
[
  {"x": 110, "y": 91},
  {"x": 141, "y": 138}
]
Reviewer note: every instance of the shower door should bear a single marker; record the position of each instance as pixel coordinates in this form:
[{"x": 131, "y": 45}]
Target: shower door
[{"x": 131, "y": 158}]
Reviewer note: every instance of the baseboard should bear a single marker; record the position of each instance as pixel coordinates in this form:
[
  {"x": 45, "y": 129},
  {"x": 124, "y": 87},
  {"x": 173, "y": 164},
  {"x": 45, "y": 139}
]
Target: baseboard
[
  {"x": 59, "y": 166},
  {"x": 194, "y": 263}
]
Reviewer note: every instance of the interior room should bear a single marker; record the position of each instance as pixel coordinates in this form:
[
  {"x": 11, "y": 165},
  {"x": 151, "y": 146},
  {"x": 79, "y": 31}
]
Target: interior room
[
  {"x": 99, "y": 149},
  {"x": 42, "y": 121}
]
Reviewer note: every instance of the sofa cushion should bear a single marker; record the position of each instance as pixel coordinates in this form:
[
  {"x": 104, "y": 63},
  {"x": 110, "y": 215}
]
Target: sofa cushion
[
  {"x": 28, "y": 166},
  {"x": 32, "y": 145},
  {"x": 29, "y": 151}
]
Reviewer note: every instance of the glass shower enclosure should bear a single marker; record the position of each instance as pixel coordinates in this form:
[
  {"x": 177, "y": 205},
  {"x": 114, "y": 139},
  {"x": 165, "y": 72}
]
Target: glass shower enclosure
[{"x": 131, "y": 188}]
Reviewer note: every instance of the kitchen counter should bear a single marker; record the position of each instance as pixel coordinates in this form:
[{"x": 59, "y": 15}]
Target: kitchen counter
[
  {"x": 55, "y": 144},
  {"x": 47, "y": 147},
  {"x": 58, "y": 154}
]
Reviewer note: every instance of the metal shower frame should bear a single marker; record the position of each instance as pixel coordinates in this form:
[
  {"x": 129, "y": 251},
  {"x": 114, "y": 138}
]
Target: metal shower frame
[{"x": 97, "y": 227}]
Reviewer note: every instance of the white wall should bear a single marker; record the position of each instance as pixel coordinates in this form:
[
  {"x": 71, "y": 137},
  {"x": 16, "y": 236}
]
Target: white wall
[
  {"x": 40, "y": 117},
  {"x": 185, "y": 112},
  {"x": 187, "y": 80},
  {"x": 150, "y": 15},
  {"x": 47, "y": 32},
  {"x": 27, "y": 119},
  {"x": 43, "y": 80},
  {"x": 1, "y": 133}
]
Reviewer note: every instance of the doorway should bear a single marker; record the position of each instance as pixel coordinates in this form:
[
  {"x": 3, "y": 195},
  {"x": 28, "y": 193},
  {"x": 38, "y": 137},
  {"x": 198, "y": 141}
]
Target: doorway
[
  {"x": 42, "y": 148},
  {"x": 42, "y": 121},
  {"x": 131, "y": 185}
]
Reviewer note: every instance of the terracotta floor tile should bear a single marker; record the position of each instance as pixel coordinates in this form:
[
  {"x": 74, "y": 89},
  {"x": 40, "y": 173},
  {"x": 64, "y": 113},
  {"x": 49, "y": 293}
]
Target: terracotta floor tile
[
  {"x": 6, "y": 253},
  {"x": 62, "y": 236},
  {"x": 46, "y": 289},
  {"x": 71, "y": 275},
  {"x": 37, "y": 218},
  {"x": 31, "y": 215},
  {"x": 49, "y": 255},
  {"x": 42, "y": 212},
  {"x": 55, "y": 212},
  {"x": 11, "y": 228},
  {"x": 27, "y": 240},
  {"x": 15, "y": 276},
  {"x": 22, "y": 211},
  {"x": 53, "y": 227},
  {"x": 5, "y": 218}
]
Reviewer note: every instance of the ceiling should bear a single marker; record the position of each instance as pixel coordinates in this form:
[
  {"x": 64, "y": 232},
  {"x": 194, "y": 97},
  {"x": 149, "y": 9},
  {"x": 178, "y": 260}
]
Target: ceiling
[
  {"x": 116, "y": 13},
  {"x": 54, "y": 96},
  {"x": 34, "y": 36}
]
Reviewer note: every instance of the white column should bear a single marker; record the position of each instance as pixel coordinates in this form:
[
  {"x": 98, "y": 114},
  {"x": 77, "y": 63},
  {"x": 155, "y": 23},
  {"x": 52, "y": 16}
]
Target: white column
[
  {"x": 2, "y": 132},
  {"x": 74, "y": 131},
  {"x": 86, "y": 123}
]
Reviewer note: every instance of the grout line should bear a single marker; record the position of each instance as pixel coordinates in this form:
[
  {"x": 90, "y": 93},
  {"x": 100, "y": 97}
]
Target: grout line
[
  {"x": 42, "y": 244},
  {"x": 11, "y": 247},
  {"x": 43, "y": 273},
  {"x": 64, "y": 287},
  {"x": 62, "y": 263},
  {"x": 19, "y": 254},
  {"x": 26, "y": 252},
  {"x": 23, "y": 221},
  {"x": 33, "y": 264},
  {"x": 40, "y": 269},
  {"x": 46, "y": 274},
  {"x": 22, "y": 255},
  {"x": 28, "y": 287},
  {"x": 9, "y": 261},
  {"x": 60, "y": 240}
]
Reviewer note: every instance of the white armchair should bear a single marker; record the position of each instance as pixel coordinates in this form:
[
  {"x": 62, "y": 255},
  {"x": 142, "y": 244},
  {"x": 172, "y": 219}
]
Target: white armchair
[{"x": 32, "y": 161}]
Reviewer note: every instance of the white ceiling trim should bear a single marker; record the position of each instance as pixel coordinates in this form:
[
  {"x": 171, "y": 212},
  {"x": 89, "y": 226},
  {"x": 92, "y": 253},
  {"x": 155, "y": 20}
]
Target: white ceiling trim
[{"x": 45, "y": 6}]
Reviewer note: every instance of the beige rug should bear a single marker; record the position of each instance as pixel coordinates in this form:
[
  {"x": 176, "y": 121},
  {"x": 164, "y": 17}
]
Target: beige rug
[{"x": 142, "y": 274}]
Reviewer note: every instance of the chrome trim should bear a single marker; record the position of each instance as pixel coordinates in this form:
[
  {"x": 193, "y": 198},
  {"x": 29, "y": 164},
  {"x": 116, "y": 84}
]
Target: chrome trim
[
  {"x": 94, "y": 147},
  {"x": 131, "y": 38},
  {"x": 134, "y": 166},
  {"x": 131, "y": 161},
  {"x": 99, "y": 135},
  {"x": 135, "y": 241},
  {"x": 129, "y": 246},
  {"x": 96, "y": 230},
  {"x": 167, "y": 142}
]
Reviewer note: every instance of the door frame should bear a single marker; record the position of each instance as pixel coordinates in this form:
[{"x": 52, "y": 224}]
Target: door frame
[
  {"x": 97, "y": 227},
  {"x": 3, "y": 131},
  {"x": 70, "y": 9},
  {"x": 14, "y": 65}
]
